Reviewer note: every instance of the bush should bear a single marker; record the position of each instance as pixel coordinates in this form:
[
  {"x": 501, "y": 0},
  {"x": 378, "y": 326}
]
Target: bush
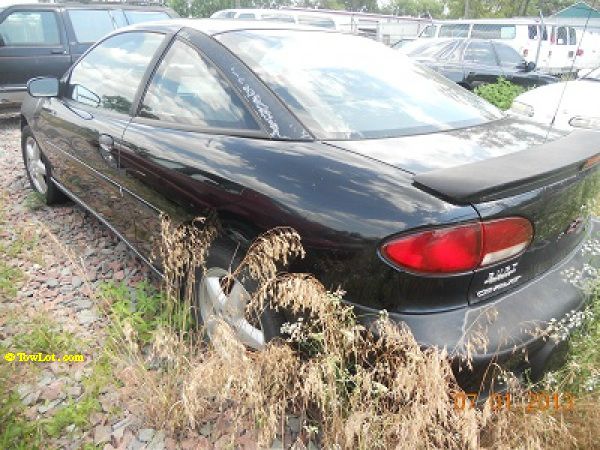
[{"x": 500, "y": 94}]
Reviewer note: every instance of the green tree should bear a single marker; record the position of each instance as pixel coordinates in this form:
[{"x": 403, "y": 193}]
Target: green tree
[
  {"x": 416, "y": 8},
  {"x": 361, "y": 5},
  {"x": 474, "y": 9},
  {"x": 181, "y": 7}
]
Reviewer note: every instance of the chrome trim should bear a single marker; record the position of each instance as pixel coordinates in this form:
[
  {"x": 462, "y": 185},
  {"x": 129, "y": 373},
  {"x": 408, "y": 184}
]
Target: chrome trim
[
  {"x": 104, "y": 177},
  {"x": 81, "y": 203}
]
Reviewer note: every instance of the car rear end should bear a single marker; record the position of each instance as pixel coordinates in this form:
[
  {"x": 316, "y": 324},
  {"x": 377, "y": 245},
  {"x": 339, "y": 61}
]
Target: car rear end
[
  {"x": 486, "y": 236},
  {"x": 523, "y": 265}
]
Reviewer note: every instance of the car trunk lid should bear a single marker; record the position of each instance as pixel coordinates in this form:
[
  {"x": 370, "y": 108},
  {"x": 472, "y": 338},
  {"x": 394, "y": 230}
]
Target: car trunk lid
[
  {"x": 509, "y": 169},
  {"x": 441, "y": 150}
]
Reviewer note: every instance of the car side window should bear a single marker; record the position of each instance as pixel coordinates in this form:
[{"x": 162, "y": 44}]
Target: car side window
[
  {"x": 454, "y": 30},
  {"x": 118, "y": 17},
  {"x": 508, "y": 56},
  {"x": 187, "y": 89},
  {"x": 490, "y": 31},
  {"x": 30, "y": 28},
  {"x": 315, "y": 21},
  {"x": 109, "y": 75},
  {"x": 428, "y": 31},
  {"x": 480, "y": 53},
  {"x": 90, "y": 25}
]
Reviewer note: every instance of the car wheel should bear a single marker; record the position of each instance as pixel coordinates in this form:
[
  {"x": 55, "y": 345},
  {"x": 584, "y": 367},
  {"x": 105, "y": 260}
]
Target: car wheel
[
  {"x": 216, "y": 300},
  {"x": 38, "y": 170}
]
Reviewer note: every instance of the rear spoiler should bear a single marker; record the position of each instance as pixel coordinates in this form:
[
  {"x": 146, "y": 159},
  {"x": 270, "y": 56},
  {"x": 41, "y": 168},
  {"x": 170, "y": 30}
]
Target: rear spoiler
[{"x": 515, "y": 173}]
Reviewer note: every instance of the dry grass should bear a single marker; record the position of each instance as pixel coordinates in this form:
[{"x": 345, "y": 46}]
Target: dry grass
[{"x": 349, "y": 387}]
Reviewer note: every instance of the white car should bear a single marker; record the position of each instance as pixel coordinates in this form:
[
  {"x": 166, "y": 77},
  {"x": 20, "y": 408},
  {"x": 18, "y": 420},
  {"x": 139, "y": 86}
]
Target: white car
[{"x": 578, "y": 103}]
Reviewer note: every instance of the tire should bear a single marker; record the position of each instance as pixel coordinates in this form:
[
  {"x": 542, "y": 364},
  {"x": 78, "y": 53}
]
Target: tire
[
  {"x": 219, "y": 261},
  {"x": 38, "y": 169}
]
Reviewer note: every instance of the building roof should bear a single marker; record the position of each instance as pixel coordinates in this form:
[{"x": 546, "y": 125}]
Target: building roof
[{"x": 579, "y": 10}]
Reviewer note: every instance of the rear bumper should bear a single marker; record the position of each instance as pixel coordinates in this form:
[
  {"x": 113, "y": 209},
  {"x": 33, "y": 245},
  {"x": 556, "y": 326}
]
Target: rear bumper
[{"x": 510, "y": 324}]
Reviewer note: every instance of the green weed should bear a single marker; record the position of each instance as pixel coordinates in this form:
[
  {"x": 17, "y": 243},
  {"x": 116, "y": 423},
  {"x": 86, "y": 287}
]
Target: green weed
[
  {"x": 501, "y": 94},
  {"x": 143, "y": 308},
  {"x": 43, "y": 336},
  {"x": 34, "y": 201},
  {"x": 9, "y": 277}
]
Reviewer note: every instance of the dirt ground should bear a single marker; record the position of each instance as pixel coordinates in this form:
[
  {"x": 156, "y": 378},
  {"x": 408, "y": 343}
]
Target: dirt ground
[{"x": 54, "y": 261}]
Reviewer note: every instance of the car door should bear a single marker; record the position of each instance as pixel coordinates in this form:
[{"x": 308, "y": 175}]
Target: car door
[
  {"x": 480, "y": 64},
  {"x": 563, "y": 48},
  {"x": 82, "y": 129},
  {"x": 514, "y": 67},
  {"x": 174, "y": 154},
  {"x": 32, "y": 44}
]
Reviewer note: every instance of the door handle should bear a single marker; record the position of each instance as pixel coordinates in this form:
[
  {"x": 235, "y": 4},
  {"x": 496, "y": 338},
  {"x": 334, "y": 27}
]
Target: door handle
[
  {"x": 58, "y": 51},
  {"x": 106, "y": 144}
]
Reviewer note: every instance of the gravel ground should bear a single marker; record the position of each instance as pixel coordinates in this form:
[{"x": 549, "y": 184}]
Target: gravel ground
[{"x": 73, "y": 255}]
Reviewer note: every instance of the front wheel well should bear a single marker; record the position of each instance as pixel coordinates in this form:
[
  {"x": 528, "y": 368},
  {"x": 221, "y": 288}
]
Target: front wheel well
[{"x": 23, "y": 122}]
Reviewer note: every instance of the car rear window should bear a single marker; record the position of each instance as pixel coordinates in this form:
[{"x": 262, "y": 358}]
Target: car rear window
[
  {"x": 349, "y": 87},
  {"x": 442, "y": 50},
  {"x": 90, "y": 25},
  {"x": 134, "y": 17}
]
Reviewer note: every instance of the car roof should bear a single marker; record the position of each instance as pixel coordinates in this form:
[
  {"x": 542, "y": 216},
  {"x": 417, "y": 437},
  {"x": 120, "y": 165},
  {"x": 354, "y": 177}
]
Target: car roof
[
  {"x": 97, "y": 5},
  {"x": 217, "y": 26},
  {"x": 495, "y": 21}
]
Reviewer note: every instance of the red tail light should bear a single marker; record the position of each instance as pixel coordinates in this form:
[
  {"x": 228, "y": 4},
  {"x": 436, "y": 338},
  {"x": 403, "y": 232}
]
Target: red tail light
[
  {"x": 579, "y": 52},
  {"x": 460, "y": 248}
]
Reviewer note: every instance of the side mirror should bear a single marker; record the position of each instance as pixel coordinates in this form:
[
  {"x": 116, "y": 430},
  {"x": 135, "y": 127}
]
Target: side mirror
[
  {"x": 530, "y": 66},
  {"x": 43, "y": 87}
]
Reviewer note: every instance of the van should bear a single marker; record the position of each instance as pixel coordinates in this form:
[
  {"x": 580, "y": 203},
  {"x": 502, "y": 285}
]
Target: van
[{"x": 45, "y": 39}]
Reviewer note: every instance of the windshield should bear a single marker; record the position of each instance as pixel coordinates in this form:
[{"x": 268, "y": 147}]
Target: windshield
[
  {"x": 349, "y": 87},
  {"x": 593, "y": 75}
]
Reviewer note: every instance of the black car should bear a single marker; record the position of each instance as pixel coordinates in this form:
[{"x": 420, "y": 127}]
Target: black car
[
  {"x": 473, "y": 62},
  {"x": 412, "y": 194},
  {"x": 45, "y": 39}
]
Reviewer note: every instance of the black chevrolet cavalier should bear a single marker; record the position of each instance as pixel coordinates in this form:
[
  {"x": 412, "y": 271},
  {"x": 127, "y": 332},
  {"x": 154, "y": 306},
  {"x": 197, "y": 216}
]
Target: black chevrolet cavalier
[{"x": 409, "y": 192}]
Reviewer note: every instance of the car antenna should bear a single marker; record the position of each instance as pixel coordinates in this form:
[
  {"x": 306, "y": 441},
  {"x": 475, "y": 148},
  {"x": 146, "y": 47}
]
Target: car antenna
[{"x": 562, "y": 94}]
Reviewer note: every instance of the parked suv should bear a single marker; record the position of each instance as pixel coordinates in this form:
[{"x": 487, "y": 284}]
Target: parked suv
[{"x": 45, "y": 39}]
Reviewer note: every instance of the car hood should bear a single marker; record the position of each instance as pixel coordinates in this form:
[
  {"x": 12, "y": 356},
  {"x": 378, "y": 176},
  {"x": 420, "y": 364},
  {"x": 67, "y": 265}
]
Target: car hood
[
  {"x": 442, "y": 150},
  {"x": 574, "y": 101}
]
